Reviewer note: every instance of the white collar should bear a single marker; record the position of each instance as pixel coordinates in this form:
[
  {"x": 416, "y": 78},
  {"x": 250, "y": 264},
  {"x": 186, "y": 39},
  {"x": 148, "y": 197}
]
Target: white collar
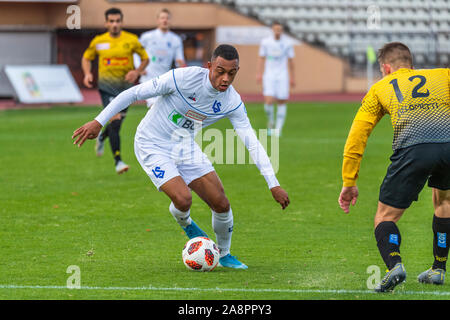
[{"x": 208, "y": 85}]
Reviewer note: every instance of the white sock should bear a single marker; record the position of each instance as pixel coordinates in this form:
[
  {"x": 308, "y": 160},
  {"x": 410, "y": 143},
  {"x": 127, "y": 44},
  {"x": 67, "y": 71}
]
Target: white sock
[
  {"x": 270, "y": 112},
  {"x": 223, "y": 228},
  {"x": 281, "y": 116},
  {"x": 183, "y": 218}
]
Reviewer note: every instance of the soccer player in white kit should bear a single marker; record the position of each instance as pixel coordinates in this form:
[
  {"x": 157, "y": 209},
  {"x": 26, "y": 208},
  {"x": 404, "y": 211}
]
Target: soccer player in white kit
[
  {"x": 276, "y": 62},
  {"x": 163, "y": 47},
  {"x": 190, "y": 99}
]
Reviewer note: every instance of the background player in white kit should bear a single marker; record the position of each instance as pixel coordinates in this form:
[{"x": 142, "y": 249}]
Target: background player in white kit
[
  {"x": 276, "y": 62},
  {"x": 163, "y": 47},
  {"x": 165, "y": 146}
]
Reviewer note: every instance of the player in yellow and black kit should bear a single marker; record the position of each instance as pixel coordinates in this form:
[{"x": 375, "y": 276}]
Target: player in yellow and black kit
[
  {"x": 418, "y": 102},
  {"x": 114, "y": 49}
]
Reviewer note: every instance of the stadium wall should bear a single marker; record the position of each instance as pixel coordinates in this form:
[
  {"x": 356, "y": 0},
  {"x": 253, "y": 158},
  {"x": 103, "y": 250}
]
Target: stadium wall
[{"x": 316, "y": 70}]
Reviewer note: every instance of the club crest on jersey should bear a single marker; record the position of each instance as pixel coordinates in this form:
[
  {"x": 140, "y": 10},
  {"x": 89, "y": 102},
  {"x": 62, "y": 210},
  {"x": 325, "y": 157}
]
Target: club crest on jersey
[
  {"x": 158, "y": 172},
  {"x": 216, "y": 106}
]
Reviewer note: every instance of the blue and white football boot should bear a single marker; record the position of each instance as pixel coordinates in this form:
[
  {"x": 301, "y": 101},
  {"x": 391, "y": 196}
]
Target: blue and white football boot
[
  {"x": 193, "y": 231},
  {"x": 230, "y": 261}
]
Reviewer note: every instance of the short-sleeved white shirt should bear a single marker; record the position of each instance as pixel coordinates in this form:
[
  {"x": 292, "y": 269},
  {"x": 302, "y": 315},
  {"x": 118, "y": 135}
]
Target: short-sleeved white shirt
[
  {"x": 162, "y": 48},
  {"x": 276, "y": 54}
]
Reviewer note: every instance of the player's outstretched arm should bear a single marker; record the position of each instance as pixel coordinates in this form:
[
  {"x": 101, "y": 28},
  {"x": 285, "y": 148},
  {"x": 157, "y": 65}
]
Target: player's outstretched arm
[
  {"x": 280, "y": 196},
  {"x": 89, "y": 130},
  {"x": 348, "y": 196}
]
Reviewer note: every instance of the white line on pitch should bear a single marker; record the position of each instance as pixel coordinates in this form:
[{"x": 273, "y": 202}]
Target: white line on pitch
[{"x": 150, "y": 288}]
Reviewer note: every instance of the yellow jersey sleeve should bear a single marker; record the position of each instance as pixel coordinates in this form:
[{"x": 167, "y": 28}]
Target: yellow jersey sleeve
[
  {"x": 140, "y": 50},
  {"x": 91, "y": 52},
  {"x": 365, "y": 120}
]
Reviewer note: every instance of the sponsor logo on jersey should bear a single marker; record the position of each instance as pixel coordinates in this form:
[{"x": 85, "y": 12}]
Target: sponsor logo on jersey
[
  {"x": 102, "y": 46},
  {"x": 113, "y": 62},
  {"x": 181, "y": 121},
  {"x": 195, "y": 115},
  {"x": 175, "y": 117}
]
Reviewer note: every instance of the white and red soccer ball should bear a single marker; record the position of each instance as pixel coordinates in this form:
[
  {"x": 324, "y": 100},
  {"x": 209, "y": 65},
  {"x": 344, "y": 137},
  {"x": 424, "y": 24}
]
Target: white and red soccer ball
[{"x": 200, "y": 254}]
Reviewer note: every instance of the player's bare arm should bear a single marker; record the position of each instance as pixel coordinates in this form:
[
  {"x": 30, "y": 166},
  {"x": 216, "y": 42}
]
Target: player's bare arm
[
  {"x": 133, "y": 75},
  {"x": 86, "y": 66},
  {"x": 291, "y": 72},
  {"x": 260, "y": 69}
]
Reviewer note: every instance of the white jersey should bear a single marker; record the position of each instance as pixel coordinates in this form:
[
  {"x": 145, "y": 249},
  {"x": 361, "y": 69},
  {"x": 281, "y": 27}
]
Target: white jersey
[
  {"x": 276, "y": 54},
  {"x": 162, "y": 48},
  {"x": 186, "y": 103}
]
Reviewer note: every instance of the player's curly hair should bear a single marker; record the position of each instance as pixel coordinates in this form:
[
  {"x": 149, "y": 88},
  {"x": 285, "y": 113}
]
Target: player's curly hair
[
  {"x": 225, "y": 51},
  {"x": 395, "y": 53}
]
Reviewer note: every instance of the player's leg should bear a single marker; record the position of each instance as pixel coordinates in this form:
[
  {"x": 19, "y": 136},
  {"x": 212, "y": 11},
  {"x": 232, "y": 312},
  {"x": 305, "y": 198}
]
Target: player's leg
[
  {"x": 111, "y": 131},
  {"x": 439, "y": 181},
  {"x": 441, "y": 228},
  {"x": 441, "y": 242},
  {"x": 210, "y": 189},
  {"x": 164, "y": 174},
  {"x": 269, "y": 101},
  {"x": 269, "y": 109},
  {"x": 388, "y": 240},
  {"x": 387, "y": 233},
  {"x": 114, "y": 140},
  {"x": 405, "y": 178},
  {"x": 281, "y": 115},
  {"x": 100, "y": 141},
  {"x": 180, "y": 206},
  {"x": 282, "y": 95}
]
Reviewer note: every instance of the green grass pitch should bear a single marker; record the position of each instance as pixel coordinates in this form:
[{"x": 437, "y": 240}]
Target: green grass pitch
[{"x": 63, "y": 206}]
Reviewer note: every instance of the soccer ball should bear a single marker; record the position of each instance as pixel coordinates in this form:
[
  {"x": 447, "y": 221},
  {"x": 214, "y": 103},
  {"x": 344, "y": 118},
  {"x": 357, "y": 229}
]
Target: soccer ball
[{"x": 200, "y": 254}]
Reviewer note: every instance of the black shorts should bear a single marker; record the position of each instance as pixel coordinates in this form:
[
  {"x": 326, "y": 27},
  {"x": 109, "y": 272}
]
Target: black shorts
[
  {"x": 411, "y": 168},
  {"x": 107, "y": 98}
]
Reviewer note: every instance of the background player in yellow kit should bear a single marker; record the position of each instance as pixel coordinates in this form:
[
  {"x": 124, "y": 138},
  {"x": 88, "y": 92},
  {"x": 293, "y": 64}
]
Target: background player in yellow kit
[
  {"x": 117, "y": 73},
  {"x": 418, "y": 102}
]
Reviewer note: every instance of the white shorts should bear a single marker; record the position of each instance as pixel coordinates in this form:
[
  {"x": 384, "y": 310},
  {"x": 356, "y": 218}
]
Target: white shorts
[
  {"x": 162, "y": 167},
  {"x": 277, "y": 87}
]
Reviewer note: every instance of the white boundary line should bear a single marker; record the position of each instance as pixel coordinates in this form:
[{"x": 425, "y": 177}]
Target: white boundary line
[{"x": 293, "y": 291}]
